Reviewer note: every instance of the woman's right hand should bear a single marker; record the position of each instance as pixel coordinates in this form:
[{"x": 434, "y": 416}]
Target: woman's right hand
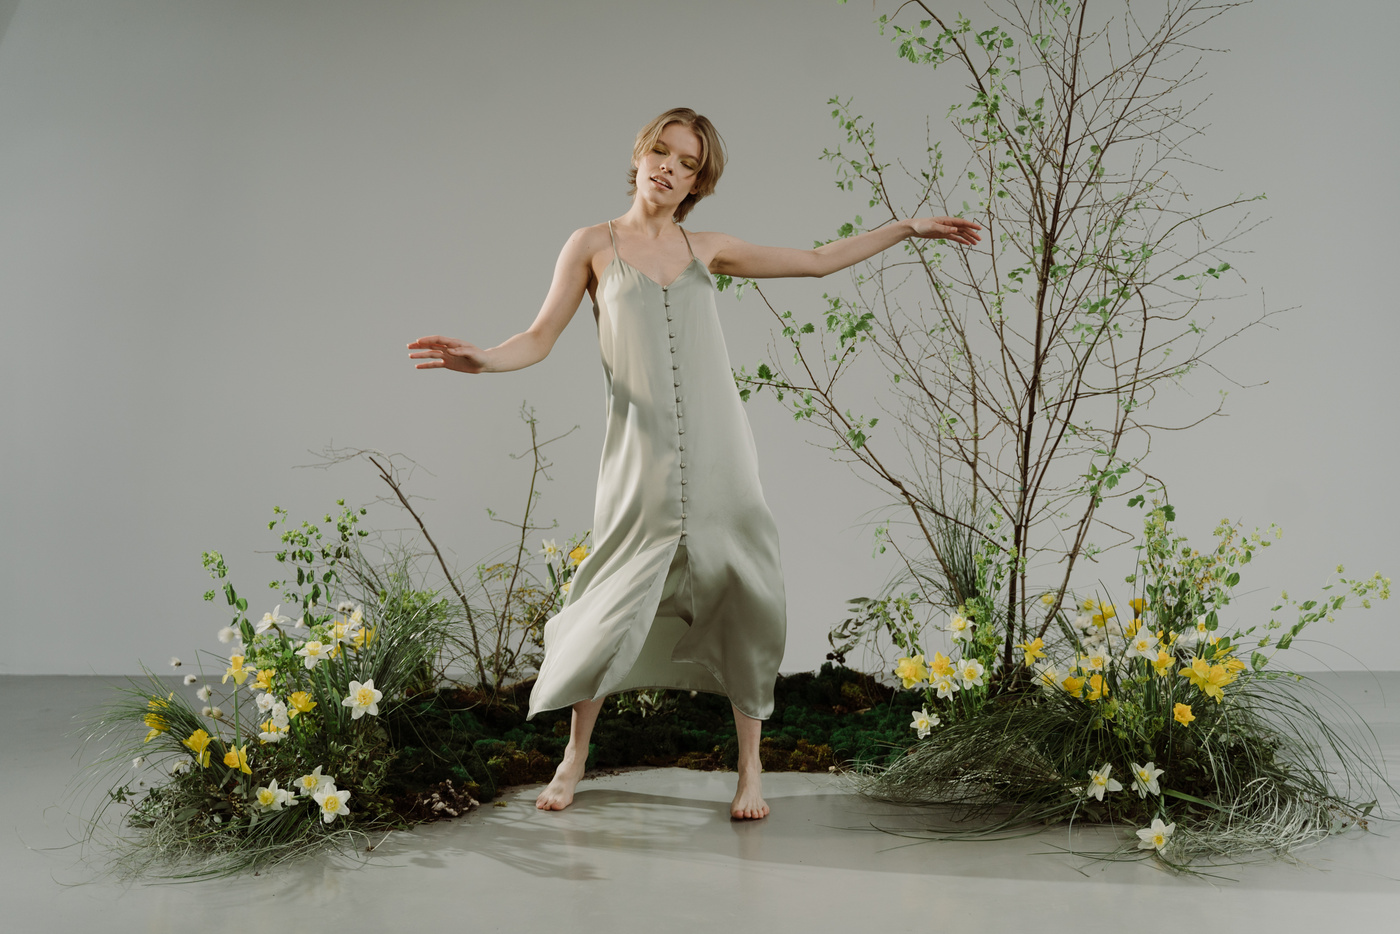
[{"x": 437, "y": 352}]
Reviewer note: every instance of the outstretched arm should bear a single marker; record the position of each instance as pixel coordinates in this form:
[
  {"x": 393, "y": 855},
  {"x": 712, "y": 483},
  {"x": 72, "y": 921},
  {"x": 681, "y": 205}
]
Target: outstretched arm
[
  {"x": 750, "y": 261},
  {"x": 571, "y": 273}
]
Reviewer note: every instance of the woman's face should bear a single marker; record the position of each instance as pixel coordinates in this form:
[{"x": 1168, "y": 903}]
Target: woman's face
[{"x": 669, "y": 171}]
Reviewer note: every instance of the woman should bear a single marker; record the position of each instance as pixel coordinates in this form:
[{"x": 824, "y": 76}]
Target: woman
[{"x": 683, "y": 588}]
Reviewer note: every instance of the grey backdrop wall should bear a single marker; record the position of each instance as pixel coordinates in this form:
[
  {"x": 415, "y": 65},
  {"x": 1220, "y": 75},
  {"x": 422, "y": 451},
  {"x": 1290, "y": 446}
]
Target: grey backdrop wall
[{"x": 221, "y": 221}]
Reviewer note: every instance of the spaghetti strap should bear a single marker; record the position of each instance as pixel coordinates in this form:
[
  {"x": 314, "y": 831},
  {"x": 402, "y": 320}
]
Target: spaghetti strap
[
  {"x": 687, "y": 242},
  {"x": 613, "y": 239}
]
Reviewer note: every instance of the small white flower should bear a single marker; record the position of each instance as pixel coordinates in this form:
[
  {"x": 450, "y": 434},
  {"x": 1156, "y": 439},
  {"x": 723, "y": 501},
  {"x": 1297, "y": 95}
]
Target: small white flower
[
  {"x": 1084, "y": 622},
  {"x": 1156, "y": 836},
  {"x": 549, "y": 549},
  {"x": 314, "y": 651},
  {"x": 357, "y": 616},
  {"x": 279, "y": 715},
  {"x": 1094, "y": 661},
  {"x": 332, "y": 802},
  {"x": 1099, "y": 782},
  {"x": 970, "y": 672},
  {"x": 300, "y": 623},
  {"x": 344, "y": 606},
  {"x": 1145, "y": 780},
  {"x": 228, "y": 634},
  {"x": 190, "y": 679},
  {"x": 310, "y": 784},
  {"x": 138, "y": 762},
  {"x": 944, "y": 685},
  {"x": 960, "y": 627},
  {"x": 1049, "y": 676},
  {"x": 204, "y": 693},
  {"x": 924, "y": 722},
  {"x": 362, "y": 699},
  {"x": 214, "y": 713},
  {"x": 272, "y": 798},
  {"x": 1143, "y": 645},
  {"x": 174, "y": 662},
  {"x": 265, "y": 702},
  {"x": 179, "y": 766},
  {"x": 564, "y": 587},
  {"x": 271, "y": 619}
]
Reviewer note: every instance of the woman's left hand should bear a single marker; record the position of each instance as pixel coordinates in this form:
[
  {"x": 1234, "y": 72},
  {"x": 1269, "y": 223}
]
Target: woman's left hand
[{"x": 955, "y": 229}]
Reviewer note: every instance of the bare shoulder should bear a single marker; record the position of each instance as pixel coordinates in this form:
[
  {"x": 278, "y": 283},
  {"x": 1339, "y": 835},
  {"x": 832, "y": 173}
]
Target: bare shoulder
[{"x": 708, "y": 244}]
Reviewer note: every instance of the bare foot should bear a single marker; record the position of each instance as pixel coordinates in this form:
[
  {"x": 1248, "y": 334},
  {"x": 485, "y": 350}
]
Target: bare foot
[
  {"x": 748, "y": 800},
  {"x": 559, "y": 793}
]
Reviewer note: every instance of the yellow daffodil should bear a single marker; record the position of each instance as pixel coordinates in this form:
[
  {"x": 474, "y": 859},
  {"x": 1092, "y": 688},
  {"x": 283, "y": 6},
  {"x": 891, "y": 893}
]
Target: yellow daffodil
[
  {"x": 1034, "y": 649},
  {"x": 299, "y": 702},
  {"x": 157, "y": 724},
  {"x": 1132, "y": 628},
  {"x": 237, "y": 758},
  {"x": 1098, "y": 687},
  {"x": 941, "y": 666},
  {"x": 362, "y": 637},
  {"x": 198, "y": 742},
  {"x": 263, "y": 682},
  {"x": 237, "y": 670},
  {"x": 1138, "y": 604},
  {"x": 578, "y": 554},
  {"x": 1073, "y": 686},
  {"x": 1163, "y": 664},
  {"x": 1182, "y": 714},
  {"x": 1235, "y": 665},
  {"x": 911, "y": 670}
]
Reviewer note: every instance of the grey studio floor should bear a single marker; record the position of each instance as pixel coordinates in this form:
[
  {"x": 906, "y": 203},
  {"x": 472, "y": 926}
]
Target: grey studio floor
[{"x": 654, "y": 850}]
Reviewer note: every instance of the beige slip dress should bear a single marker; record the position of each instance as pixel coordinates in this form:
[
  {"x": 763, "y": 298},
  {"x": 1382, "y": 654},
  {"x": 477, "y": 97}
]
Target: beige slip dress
[{"x": 683, "y": 587}]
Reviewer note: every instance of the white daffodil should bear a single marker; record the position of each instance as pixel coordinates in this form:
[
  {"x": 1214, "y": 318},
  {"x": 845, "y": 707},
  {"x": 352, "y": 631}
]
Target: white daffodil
[
  {"x": 1094, "y": 661},
  {"x": 1145, "y": 780},
  {"x": 314, "y": 651},
  {"x": 301, "y": 622},
  {"x": 272, "y": 735},
  {"x": 944, "y": 685},
  {"x": 1156, "y": 836},
  {"x": 310, "y": 784},
  {"x": 332, "y": 802},
  {"x": 204, "y": 693},
  {"x": 1099, "y": 782},
  {"x": 550, "y": 550},
  {"x": 924, "y": 722},
  {"x": 1084, "y": 622},
  {"x": 227, "y": 634},
  {"x": 960, "y": 628},
  {"x": 1144, "y": 645},
  {"x": 357, "y": 615},
  {"x": 1049, "y": 676},
  {"x": 970, "y": 672},
  {"x": 362, "y": 699},
  {"x": 190, "y": 679},
  {"x": 564, "y": 587},
  {"x": 174, "y": 662},
  {"x": 272, "y": 798},
  {"x": 275, "y": 618}
]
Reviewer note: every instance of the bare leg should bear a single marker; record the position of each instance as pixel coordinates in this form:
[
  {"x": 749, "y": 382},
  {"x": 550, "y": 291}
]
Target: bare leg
[
  {"x": 748, "y": 800},
  {"x": 559, "y": 793}
]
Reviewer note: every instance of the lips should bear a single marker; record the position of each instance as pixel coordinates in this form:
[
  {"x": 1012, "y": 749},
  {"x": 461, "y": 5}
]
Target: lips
[{"x": 661, "y": 181}]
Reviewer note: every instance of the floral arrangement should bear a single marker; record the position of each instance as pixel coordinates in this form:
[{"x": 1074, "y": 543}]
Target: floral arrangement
[
  {"x": 1150, "y": 715},
  {"x": 294, "y": 741}
]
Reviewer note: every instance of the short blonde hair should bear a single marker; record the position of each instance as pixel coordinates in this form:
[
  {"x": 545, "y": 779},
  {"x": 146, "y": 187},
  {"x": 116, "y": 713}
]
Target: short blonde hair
[{"x": 711, "y": 154}]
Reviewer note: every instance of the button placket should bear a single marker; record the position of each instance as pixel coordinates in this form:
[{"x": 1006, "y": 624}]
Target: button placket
[{"x": 680, "y": 429}]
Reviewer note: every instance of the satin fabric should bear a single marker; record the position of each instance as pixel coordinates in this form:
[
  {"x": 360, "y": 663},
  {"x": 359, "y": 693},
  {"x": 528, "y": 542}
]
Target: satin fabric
[{"x": 683, "y": 587}]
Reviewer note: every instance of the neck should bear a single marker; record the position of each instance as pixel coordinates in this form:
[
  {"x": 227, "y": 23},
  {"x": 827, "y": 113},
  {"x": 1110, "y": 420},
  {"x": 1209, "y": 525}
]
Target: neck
[{"x": 650, "y": 220}]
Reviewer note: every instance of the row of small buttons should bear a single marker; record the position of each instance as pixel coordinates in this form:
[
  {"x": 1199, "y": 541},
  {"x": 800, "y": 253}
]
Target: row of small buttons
[{"x": 675, "y": 367}]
